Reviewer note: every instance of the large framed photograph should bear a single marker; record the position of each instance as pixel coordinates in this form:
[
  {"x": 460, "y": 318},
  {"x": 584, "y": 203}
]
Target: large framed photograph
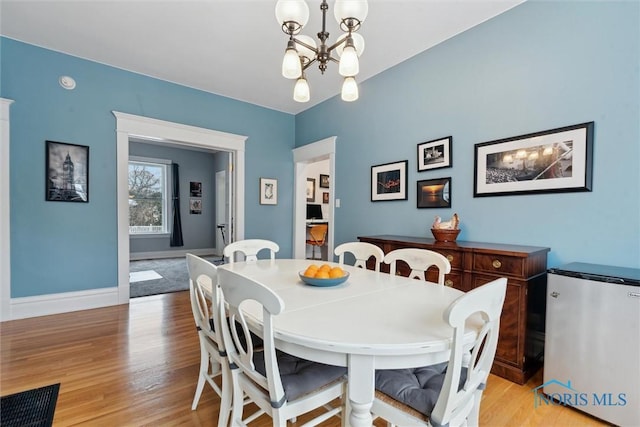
[
  {"x": 435, "y": 154},
  {"x": 434, "y": 193},
  {"x": 67, "y": 172},
  {"x": 268, "y": 191},
  {"x": 389, "y": 181},
  {"x": 552, "y": 161},
  {"x": 311, "y": 190}
]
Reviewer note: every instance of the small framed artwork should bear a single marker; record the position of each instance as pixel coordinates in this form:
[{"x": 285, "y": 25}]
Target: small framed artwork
[
  {"x": 389, "y": 181},
  {"x": 435, "y": 154},
  {"x": 311, "y": 190},
  {"x": 195, "y": 206},
  {"x": 434, "y": 193},
  {"x": 67, "y": 172},
  {"x": 552, "y": 161},
  {"x": 325, "y": 197},
  {"x": 324, "y": 181},
  {"x": 268, "y": 191},
  {"x": 195, "y": 189}
]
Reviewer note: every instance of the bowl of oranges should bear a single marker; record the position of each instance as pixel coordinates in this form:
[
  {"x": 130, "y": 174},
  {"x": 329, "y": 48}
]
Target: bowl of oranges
[{"x": 323, "y": 275}]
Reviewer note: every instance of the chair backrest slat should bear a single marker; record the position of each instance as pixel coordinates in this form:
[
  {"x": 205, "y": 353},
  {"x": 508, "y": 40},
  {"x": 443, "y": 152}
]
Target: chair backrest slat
[
  {"x": 362, "y": 251},
  {"x": 419, "y": 260},
  {"x": 250, "y": 249}
]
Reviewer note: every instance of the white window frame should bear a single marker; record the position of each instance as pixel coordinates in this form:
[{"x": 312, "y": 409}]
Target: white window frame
[{"x": 166, "y": 206}]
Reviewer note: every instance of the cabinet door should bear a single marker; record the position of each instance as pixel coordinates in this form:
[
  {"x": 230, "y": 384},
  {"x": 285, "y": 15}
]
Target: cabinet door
[{"x": 512, "y": 323}]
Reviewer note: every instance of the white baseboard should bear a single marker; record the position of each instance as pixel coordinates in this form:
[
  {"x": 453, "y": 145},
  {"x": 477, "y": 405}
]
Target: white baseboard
[
  {"x": 44, "y": 305},
  {"x": 135, "y": 256}
]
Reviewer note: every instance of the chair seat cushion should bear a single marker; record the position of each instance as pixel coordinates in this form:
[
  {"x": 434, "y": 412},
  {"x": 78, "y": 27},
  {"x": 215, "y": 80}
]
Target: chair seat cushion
[
  {"x": 417, "y": 388},
  {"x": 300, "y": 376}
]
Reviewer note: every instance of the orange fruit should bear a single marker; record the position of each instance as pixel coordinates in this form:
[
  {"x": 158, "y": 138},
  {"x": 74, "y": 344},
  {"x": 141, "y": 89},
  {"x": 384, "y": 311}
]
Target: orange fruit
[
  {"x": 325, "y": 267},
  {"x": 322, "y": 274},
  {"x": 310, "y": 271},
  {"x": 336, "y": 272}
]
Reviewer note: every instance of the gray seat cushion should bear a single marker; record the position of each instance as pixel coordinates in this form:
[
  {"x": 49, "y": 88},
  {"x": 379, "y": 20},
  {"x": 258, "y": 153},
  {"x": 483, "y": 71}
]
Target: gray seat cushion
[
  {"x": 418, "y": 388},
  {"x": 300, "y": 376}
]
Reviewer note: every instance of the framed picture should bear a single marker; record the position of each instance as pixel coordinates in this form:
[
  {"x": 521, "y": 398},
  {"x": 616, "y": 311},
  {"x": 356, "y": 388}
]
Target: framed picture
[
  {"x": 195, "y": 189},
  {"x": 324, "y": 181},
  {"x": 311, "y": 190},
  {"x": 552, "y": 161},
  {"x": 325, "y": 197},
  {"x": 67, "y": 172},
  {"x": 268, "y": 191},
  {"x": 435, "y": 154},
  {"x": 389, "y": 181},
  {"x": 434, "y": 193},
  {"x": 195, "y": 206}
]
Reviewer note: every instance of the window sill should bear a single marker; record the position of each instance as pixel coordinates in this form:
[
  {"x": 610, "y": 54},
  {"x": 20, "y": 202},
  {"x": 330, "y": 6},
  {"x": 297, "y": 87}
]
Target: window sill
[{"x": 148, "y": 235}]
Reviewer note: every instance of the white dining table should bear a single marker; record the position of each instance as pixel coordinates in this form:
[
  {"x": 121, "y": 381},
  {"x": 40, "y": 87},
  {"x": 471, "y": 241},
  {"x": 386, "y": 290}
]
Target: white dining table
[{"x": 372, "y": 321}]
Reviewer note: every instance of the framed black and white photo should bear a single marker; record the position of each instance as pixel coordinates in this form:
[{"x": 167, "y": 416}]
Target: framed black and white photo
[
  {"x": 435, "y": 154},
  {"x": 389, "y": 181},
  {"x": 325, "y": 197},
  {"x": 195, "y": 206},
  {"x": 67, "y": 172},
  {"x": 311, "y": 190},
  {"x": 434, "y": 193},
  {"x": 552, "y": 161},
  {"x": 195, "y": 189},
  {"x": 324, "y": 181},
  {"x": 268, "y": 191}
]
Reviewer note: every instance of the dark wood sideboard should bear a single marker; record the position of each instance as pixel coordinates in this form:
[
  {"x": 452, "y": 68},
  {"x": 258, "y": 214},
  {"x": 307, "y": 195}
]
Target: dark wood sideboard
[{"x": 521, "y": 340}]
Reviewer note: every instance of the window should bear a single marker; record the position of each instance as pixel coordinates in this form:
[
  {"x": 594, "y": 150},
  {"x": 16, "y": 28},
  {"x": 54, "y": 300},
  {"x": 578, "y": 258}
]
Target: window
[{"x": 148, "y": 196}]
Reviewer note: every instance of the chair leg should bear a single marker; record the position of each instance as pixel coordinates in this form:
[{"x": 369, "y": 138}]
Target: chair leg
[
  {"x": 204, "y": 370},
  {"x": 226, "y": 398}
]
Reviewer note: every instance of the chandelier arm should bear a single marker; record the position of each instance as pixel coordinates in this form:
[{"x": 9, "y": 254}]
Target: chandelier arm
[
  {"x": 337, "y": 61},
  {"x": 308, "y": 64},
  {"x": 301, "y": 43},
  {"x": 336, "y": 44}
]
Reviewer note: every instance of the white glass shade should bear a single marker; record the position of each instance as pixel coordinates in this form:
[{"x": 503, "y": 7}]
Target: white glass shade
[
  {"x": 350, "y": 9},
  {"x": 349, "y": 64},
  {"x": 301, "y": 90},
  {"x": 303, "y": 51},
  {"x": 291, "y": 67},
  {"x": 292, "y": 10},
  {"x": 358, "y": 42},
  {"x": 349, "y": 89}
]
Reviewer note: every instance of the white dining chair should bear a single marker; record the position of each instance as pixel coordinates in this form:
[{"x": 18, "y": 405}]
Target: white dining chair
[
  {"x": 362, "y": 251},
  {"x": 419, "y": 261},
  {"x": 204, "y": 292},
  {"x": 282, "y": 385},
  {"x": 447, "y": 394},
  {"x": 250, "y": 249}
]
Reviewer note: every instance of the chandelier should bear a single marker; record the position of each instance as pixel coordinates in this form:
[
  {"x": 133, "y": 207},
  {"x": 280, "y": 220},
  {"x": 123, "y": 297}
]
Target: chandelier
[{"x": 302, "y": 51}]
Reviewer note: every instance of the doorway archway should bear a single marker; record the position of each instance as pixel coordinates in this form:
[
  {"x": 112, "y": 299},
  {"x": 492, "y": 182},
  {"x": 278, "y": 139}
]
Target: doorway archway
[{"x": 129, "y": 125}]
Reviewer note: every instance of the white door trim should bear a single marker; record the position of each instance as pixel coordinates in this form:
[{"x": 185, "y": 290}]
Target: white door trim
[
  {"x": 5, "y": 212},
  {"x": 302, "y": 156},
  {"x": 129, "y": 125}
]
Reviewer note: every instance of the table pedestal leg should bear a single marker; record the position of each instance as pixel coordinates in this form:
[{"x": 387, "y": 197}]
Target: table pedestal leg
[{"x": 361, "y": 390}]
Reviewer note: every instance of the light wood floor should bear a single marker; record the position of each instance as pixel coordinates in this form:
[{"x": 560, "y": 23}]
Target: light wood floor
[{"x": 137, "y": 365}]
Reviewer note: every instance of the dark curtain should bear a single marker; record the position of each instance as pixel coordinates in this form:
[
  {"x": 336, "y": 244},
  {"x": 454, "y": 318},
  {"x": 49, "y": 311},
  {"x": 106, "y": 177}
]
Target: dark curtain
[{"x": 176, "y": 229}]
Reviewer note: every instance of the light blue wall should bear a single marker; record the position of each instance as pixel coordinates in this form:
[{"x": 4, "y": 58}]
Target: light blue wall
[
  {"x": 198, "y": 231},
  {"x": 540, "y": 66},
  {"x": 60, "y": 247}
]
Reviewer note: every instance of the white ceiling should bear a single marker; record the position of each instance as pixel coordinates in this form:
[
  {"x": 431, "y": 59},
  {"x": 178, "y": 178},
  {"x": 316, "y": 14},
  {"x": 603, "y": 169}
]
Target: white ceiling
[{"x": 232, "y": 48}]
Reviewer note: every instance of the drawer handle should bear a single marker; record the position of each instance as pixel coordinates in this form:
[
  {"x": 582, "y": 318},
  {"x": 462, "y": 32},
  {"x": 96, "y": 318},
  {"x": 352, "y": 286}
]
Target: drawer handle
[
  {"x": 496, "y": 263},
  {"x": 449, "y": 258},
  {"x": 448, "y": 282}
]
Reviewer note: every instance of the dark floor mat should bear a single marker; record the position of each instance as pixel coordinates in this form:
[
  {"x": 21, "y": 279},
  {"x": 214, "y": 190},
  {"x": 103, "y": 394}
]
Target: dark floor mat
[{"x": 31, "y": 408}]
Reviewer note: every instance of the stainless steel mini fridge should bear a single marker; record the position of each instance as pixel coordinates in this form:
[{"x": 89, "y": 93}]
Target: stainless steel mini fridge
[{"x": 592, "y": 341}]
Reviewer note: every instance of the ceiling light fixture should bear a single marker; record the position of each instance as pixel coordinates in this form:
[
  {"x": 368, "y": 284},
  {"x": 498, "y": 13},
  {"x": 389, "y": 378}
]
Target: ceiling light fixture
[{"x": 302, "y": 51}]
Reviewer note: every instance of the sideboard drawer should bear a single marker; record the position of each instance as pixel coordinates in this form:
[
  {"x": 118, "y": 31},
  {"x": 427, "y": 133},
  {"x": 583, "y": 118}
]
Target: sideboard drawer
[
  {"x": 498, "y": 264},
  {"x": 454, "y": 258}
]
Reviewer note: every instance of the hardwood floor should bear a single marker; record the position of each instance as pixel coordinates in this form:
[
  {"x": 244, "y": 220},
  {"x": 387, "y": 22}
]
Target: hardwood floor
[{"x": 137, "y": 365}]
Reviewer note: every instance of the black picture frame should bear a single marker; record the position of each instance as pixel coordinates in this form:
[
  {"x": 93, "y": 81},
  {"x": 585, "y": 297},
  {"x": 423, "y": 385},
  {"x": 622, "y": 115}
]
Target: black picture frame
[
  {"x": 195, "y": 189},
  {"x": 435, "y": 154},
  {"x": 552, "y": 161},
  {"x": 66, "y": 172},
  {"x": 324, "y": 181},
  {"x": 389, "y": 181},
  {"x": 433, "y": 193}
]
